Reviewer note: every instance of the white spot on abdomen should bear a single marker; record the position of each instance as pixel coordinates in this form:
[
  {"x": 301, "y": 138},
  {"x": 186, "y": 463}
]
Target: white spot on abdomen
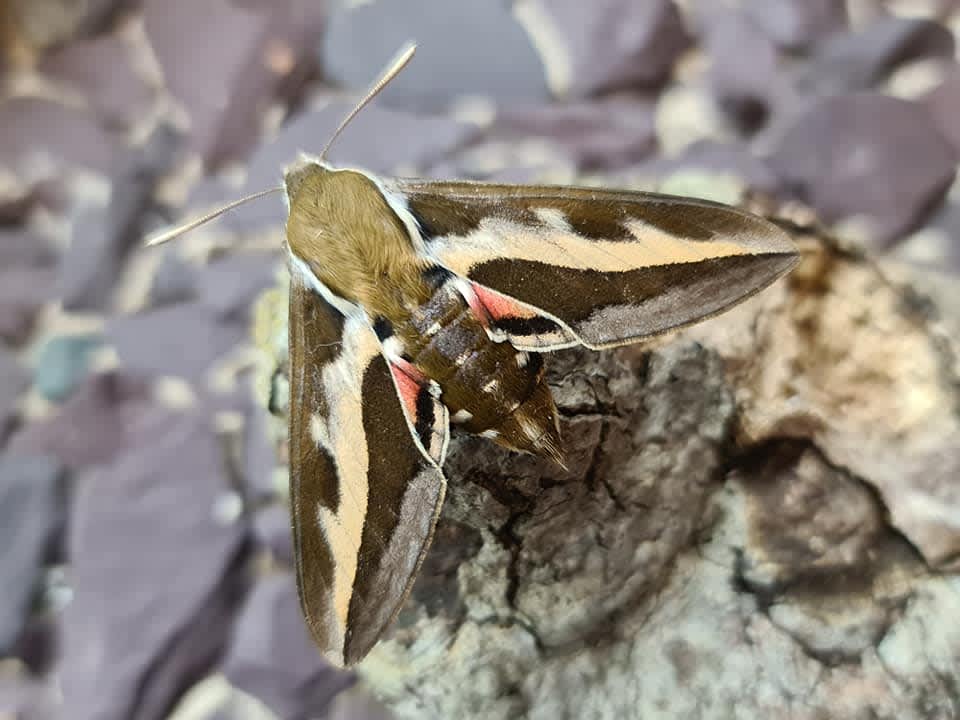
[{"x": 530, "y": 429}]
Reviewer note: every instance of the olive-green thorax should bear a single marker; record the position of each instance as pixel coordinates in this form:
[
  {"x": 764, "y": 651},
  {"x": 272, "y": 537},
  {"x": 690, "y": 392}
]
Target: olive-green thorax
[{"x": 343, "y": 228}]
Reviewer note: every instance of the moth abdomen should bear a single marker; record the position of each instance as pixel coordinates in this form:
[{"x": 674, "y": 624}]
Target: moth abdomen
[
  {"x": 489, "y": 388},
  {"x": 532, "y": 426}
]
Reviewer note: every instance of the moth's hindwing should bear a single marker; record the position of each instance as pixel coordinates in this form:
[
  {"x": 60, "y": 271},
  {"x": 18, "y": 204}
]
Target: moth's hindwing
[
  {"x": 427, "y": 418},
  {"x": 555, "y": 265},
  {"x": 364, "y": 495}
]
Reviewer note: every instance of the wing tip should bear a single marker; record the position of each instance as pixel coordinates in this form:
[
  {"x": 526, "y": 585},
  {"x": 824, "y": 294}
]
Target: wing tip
[{"x": 767, "y": 237}]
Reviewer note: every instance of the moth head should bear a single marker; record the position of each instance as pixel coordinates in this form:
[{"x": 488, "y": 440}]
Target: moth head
[{"x": 306, "y": 171}]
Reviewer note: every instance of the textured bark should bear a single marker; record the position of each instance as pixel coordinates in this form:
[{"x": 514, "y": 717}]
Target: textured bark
[{"x": 759, "y": 515}]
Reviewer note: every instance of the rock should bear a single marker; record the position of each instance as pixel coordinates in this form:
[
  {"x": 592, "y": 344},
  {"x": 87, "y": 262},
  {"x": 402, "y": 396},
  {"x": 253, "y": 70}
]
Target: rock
[
  {"x": 13, "y": 380},
  {"x": 745, "y": 77},
  {"x": 592, "y": 48},
  {"x": 687, "y": 114},
  {"x": 182, "y": 340},
  {"x": 16, "y": 322},
  {"x": 15, "y": 204},
  {"x": 23, "y": 248},
  {"x": 38, "y": 646},
  {"x": 453, "y": 55},
  {"x": 32, "y": 514},
  {"x": 260, "y": 455},
  {"x": 205, "y": 76},
  {"x": 229, "y": 286},
  {"x": 603, "y": 134},
  {"x": 356, "y": 704},
  {"x": 860, "y": 60},
  {"x": 93, "y": 426},
  {"x": 62, "y": 364},
  {"x": 102, "y": 237},
  {"x": 24, "y": 697},
  {"x": 714, "y": 159},
  {"x": 379, "y": 140},
  {"x": 175, "y": 279},
  {"x": 294, "y": 28},
  {"x": 273, "y": 657},
  {"x": 149, "y": 562},
  {"x": 867, "y": 155},
  {"x": 215, "y": 699},
  {"x": 228, "y": 85},
  {"x": 933, "y": 249},
  {"x": 48, "y": 23},
  {"x": 901, "y": 442},
  {"x": 92, "y": 262},
  {"x": 23, "y": 293},
  {"x": 862, "y": 568},
  {"x": 943, "y": 102},
  {"x": 42, "y": 138},
  {"x": 796, "y": 25},
  {"x": 120, "y": 98},
  {"x": 271, "y": 526}
]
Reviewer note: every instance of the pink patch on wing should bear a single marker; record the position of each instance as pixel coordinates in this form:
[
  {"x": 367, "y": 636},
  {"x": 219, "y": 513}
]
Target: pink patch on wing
[
  {"x": 499, "y": 306},
  {"x": 409, "y": 389}
]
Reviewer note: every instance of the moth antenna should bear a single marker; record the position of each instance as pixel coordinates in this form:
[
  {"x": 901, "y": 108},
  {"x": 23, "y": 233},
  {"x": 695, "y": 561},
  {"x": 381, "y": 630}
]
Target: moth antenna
[
  {"x": 393, "y": 68},
  {"x": 175, "y": 232}
]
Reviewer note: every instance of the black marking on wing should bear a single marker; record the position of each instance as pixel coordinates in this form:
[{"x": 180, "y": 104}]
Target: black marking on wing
[
  {"x": 382, "y": 327},
  {"x": 425, "y": 417},
  {"x": 525, "y": 327}
]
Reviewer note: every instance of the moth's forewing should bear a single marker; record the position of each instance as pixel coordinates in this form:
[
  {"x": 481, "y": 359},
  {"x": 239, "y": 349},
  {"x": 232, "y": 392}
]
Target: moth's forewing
[
  {"x": 606, "y": 267},
  {"x": 364, "y": 498}
]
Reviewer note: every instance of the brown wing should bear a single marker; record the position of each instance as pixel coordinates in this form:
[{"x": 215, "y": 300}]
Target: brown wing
[
  {"x": 595, "y": 266},
  {"x": 364, "y": 497}
]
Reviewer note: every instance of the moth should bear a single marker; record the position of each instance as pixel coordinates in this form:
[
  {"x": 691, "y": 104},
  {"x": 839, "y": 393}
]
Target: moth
[{"x": 417, "y": 305}]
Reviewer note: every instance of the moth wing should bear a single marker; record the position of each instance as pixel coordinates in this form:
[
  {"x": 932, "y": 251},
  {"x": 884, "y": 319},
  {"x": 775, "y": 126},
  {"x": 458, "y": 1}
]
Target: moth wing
[
  {"x": 599, "y": 267},
  {"x": 427, "y": 418},
  {"x": 364, "y": 496}
]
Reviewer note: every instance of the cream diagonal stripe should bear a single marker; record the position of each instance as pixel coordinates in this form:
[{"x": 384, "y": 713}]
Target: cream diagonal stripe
[
  {"x": 549, "y": 243},
  {"x": 343, "y": 437}
]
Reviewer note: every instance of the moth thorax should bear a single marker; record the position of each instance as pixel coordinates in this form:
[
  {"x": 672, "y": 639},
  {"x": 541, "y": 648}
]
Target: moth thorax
[{"x": 341, "y": 225}]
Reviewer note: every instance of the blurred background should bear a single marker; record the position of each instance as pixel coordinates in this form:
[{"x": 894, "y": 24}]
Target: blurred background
[{"x": 144, "y": 540}]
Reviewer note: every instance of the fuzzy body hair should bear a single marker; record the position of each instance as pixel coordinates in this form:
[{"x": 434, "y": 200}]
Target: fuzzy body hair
[{"x": 343, "y": 227}]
